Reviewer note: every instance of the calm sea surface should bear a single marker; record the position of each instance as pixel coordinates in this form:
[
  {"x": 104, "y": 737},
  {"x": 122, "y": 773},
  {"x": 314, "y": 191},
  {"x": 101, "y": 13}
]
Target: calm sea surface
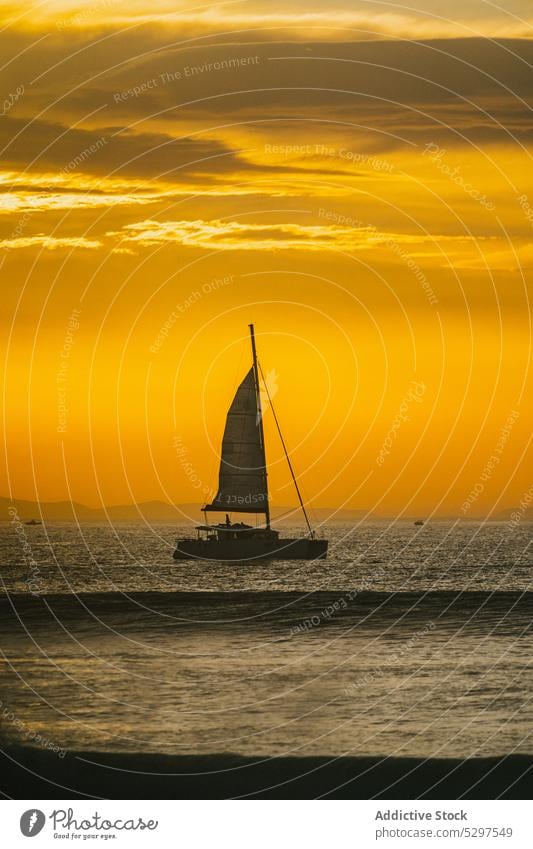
[{"x": 406, "y": 641}]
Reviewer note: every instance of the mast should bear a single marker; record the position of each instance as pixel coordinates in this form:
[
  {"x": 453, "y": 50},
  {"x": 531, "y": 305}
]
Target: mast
[{"x": 260, "y": 416}]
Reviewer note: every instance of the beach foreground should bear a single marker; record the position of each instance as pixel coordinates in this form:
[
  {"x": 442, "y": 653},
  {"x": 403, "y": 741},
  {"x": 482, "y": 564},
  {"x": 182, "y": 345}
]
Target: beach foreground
[{"x": 33, "y": 773}]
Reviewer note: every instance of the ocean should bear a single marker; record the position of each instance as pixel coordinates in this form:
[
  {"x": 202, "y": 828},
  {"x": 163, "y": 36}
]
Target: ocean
[{"x": 406, "y": 641}]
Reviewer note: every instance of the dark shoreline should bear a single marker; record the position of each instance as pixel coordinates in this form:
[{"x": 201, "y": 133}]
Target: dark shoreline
[{"x": 34, "y": 773}]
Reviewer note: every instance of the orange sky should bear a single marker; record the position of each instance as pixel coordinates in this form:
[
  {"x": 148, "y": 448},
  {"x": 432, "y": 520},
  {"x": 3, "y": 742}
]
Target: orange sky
[{"x": 355, "y": 181}]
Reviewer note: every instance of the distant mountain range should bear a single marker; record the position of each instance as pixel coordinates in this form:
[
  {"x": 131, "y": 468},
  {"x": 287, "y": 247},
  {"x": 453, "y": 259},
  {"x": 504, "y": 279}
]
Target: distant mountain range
[
  {"x": 179, "y": 514},
  {"x": 151, "y": 511}
]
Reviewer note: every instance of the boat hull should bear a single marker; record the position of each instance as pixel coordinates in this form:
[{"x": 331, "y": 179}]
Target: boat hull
[{"x": 237, "y": 551}]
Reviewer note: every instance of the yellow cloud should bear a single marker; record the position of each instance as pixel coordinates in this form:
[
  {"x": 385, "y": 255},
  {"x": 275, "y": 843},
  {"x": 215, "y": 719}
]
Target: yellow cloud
[
  {"x": 234, "y": 235},
  {"x": 48, "y": 192},
  {"x": 49, "y": 202},
  {"x": 337, "y": 23},
  {"x": 49, "y": 243}
]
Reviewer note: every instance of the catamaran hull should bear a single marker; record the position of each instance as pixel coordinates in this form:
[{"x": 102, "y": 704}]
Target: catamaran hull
[{"x": 237, "y": 551}]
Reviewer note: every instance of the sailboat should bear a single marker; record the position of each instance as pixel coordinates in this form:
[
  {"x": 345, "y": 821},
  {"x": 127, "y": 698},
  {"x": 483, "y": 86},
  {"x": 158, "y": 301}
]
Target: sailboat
[{"x": 243, "y": 488}]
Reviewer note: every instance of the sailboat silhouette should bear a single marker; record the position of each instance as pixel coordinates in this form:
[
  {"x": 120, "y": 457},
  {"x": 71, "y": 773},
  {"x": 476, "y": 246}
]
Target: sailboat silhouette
[{"x": 243, "y": 488}]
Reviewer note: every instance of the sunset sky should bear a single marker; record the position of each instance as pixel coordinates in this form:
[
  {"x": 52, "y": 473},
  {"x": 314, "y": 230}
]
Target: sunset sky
[{"x": 353, "y": 177}]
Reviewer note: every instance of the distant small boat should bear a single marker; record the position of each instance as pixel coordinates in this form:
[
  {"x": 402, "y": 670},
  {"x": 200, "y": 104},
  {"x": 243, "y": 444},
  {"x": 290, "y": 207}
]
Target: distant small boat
[
  {"x": 243, "y": 488},
  {"x": 419, "y": 522},
  {"x": 33, "y": 522}
]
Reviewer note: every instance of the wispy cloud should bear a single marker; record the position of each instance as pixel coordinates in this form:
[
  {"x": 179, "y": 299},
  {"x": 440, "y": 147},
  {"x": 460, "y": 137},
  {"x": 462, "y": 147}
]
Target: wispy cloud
[
  {"x": 234, "y": 235},
  {"x": 45, "y": 202},
  {"x": 49, "y": 243},
  {"x": 338, "y": 22}
]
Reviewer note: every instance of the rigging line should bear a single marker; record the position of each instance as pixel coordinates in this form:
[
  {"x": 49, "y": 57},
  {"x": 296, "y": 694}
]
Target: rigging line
[{"x": 312, "y": 533}]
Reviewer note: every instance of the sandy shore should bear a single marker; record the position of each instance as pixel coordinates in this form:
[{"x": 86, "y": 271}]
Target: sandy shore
[{"x": 32, "y": 773}]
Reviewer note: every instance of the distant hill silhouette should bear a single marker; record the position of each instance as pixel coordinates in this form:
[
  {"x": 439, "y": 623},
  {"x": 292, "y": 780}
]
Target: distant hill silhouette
[
  {"x": 179, "y": 514},
  {"x": 506, "y": 515},
  {"x": 151, "y": 511}
]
